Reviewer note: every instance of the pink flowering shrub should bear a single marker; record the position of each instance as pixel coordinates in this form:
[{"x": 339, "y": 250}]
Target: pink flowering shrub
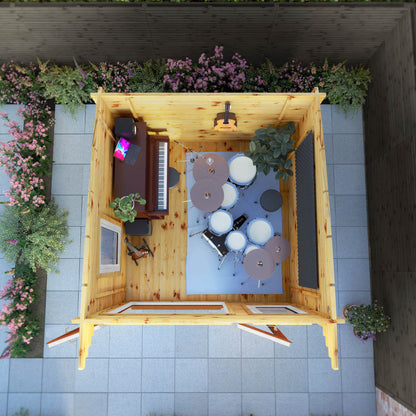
[
  {"x": 294, "y": 76},
  {"x": 210, "y": 74},
  {"x": 19, "y": 294},
  {"x": 25, "y": 158}
]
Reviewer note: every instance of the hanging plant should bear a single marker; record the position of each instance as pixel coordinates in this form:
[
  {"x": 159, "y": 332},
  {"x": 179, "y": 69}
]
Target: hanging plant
[{"x": 270, "y": 148}]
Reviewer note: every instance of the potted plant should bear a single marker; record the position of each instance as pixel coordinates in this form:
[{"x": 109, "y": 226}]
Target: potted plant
[
  {"x": 367, "y": 320},
  {"x": 270, "y": 149},
  {"x": 124, "y": 206}
]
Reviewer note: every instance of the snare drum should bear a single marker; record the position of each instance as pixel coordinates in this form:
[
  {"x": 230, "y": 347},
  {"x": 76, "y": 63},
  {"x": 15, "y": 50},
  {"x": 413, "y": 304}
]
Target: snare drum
[
  {"x": 236, "y": 241},
  {"x": 250, "y": 248},
  {"x": 220, "y": 222},
  {"x": 230, "y": 195},
  {"x": 259, "y": 231},
  {"x": 242, "y": 170}
]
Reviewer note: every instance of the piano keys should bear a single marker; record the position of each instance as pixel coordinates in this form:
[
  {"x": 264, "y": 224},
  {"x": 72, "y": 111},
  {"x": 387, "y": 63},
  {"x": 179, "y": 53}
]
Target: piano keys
[{"x": 148, "y": 176}]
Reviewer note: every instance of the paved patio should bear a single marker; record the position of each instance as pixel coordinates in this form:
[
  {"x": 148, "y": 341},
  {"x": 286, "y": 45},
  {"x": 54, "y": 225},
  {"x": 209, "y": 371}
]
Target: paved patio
[{"x": 203, "y": 370}]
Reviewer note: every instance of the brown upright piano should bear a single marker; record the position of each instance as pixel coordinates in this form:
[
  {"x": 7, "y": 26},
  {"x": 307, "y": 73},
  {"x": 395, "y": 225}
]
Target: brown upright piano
[{"x": 148, "y": 176}]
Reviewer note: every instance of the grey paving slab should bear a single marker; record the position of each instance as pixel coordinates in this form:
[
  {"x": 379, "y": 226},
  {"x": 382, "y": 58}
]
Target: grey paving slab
[
  {"x": 66, "y": 123},
  {"x": 321, "y": 377},
  {"x": 72, "y": 148},
  {"x": 331, "y": 179},
  {"x": 152, "y": 345},
  {"x": 352, "y": 347},
  {"x": 332, "y": 210},
  {"x": 158, "y": 375},
  {"x": 349, "y": 297},
  {"x": 316, "y": 342},
  {"x": 126, "y": 404},
  {"x": 224, "y": 342},
  {"x": 67, "y": 277},
  {"x": 291, "y": 375},
  {"x": 353, "y": 274},
  {"x": 58, "y": 375},
  {"x": 87, "y": 404},
  {"x": 4, "y": 375},
  {"x": 126, "y": 341},
  {"x": 94, "y": 378},
  {"x": 352, "y": 242},
  {"x": 299, "y": 346},
  {"x": 224, "y": 375},
  {"x": 73, "y": 249},
  {"x": 351, "y": 210},
  {"x": 125, "y": 375},
  {"x": 3, "y": 404},
  {"x": 29, "y": 401},
  {"x": 70, "y": 179},
  {"x": 253, "y": 346},
  {"x": 329, "y": 149},
  {"x": 191, "y": 375},
  {"x": 161, "y": 403},
  {"x": 326, "y": 116},
  {"x": 359, "y": 403},
  {"x": 66, "y": 350},
  {"x": 25, "y": 375},
  {"x": 350, "y": 123},
  {"x": 89, "y": 118},
  {"x": 73, "y": 205},
  {"x": 191, "y": 341},
  {"x": 57, "y": 404},
  {"x": 357, "y": 375},
  {"x": 292, "y": 404},
  {"x": 258, "y": 375},
  {"x": 325, "y": 403},
  {"x": 348, "y": 148},
  {"x": 349, "y": 180},
  {"x": 100, "y": 348},
  {"x": 190, "y": 404},
  {"x": 61, "y": 307},
  {"x": 259, "y": 404},
  {"x": 224, "y": 404}
]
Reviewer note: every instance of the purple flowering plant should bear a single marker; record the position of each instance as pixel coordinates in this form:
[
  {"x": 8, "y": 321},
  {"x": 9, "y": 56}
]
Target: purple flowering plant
[
  {"x": 209, "y": 74},
  {"x": 18, "y": 294},
  {"x": 298, "y": 77}
]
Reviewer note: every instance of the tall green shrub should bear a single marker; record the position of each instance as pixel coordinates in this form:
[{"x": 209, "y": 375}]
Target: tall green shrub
[{"x": 35, "y": 237}]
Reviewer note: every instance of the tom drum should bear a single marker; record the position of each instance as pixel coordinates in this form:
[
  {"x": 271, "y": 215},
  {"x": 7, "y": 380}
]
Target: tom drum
[
  {"x": 236, "y": 241},
  {"x": 230, "y": 195},
  {"x": 259, "y": 231},
  {"x": 242, "y": 170},
  {"x": 220, "y": 222}
]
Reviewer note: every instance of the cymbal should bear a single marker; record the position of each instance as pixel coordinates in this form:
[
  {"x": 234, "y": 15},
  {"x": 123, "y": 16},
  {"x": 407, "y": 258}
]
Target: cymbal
[
  {"x": 279, "y": 248},
  {"x": 259, "y": 264},
  {"x": 207, "y": 195},
  {"x": 211, "y": 165}
]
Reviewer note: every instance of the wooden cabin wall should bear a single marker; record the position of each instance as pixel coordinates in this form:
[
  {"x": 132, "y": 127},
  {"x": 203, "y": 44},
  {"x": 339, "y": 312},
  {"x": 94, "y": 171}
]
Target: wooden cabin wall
[{"x": 100, "y": 291}]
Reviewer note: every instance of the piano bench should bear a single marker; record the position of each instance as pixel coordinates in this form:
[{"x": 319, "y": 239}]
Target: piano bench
[{"x": 140, "y": 226}]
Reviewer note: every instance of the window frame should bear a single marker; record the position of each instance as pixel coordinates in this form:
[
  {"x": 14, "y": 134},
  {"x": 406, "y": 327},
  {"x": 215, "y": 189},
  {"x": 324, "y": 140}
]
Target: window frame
[
  {"x": 110, "y": 268},
  {"x": 253, "y": 309}
]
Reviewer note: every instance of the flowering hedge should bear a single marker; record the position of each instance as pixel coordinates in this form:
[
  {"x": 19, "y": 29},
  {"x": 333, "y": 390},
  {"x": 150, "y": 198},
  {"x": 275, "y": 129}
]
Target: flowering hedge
[{"x": 30, "y": 225}]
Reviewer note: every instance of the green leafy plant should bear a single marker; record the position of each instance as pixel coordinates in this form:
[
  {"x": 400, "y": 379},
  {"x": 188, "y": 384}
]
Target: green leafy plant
[
  {"x": 35, "y": 237},
  {"x": 148, "y": 77},
  {"x": 367, "y": 320},
  {"x": 347, "y": 87},
  {"x": 270, "y": 149},
  {"x": 124, "y": 206},
  {"x": 66, "y": 85}
]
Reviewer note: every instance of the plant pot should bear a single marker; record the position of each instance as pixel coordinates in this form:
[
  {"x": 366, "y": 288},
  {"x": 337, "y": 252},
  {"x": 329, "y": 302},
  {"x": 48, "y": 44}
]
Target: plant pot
[
  {"x": 344, "y": 311},
  {"x": 126, "y": 198},
  {"x": 361, "y": 338}
]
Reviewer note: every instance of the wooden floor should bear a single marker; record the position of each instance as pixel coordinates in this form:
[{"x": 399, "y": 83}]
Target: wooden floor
[{"x": 163, "y": 277}]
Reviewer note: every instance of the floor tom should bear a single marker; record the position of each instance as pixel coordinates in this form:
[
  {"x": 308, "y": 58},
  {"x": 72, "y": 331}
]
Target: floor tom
[
  {"x": 242, "y": 170},
  {"x": 236, "y": 241},
  {"x": 259, "y": 231}
]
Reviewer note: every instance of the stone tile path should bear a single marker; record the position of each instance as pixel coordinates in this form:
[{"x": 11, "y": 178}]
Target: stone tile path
[{"x": 197, "y": 371}]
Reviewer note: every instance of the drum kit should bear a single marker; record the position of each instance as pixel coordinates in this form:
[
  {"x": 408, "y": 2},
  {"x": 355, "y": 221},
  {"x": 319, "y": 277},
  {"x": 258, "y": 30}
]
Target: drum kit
[{"x": 216, "y": 191}]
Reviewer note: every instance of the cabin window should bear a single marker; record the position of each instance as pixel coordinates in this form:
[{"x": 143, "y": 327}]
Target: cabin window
[
  {"x": 172, "y": 307},
  {"x": 110, "y": 241},
  {"x": 278, "y": 309}
]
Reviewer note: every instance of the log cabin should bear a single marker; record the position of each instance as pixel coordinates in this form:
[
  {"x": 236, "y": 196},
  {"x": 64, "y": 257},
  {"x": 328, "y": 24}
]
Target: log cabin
[{"x": 154, "y": 292}]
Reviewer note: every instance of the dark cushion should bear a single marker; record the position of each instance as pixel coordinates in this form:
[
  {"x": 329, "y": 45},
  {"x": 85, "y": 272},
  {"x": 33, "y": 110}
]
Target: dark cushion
[{"x": 140, "y": 226}]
